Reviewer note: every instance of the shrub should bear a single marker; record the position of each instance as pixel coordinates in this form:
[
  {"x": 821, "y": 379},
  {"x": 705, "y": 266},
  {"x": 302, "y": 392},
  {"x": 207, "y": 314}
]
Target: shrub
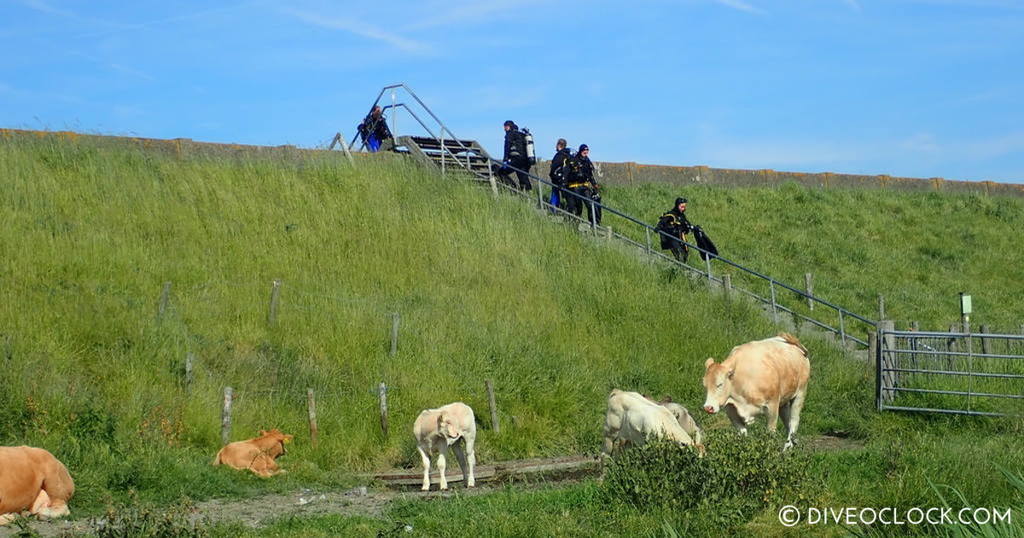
[{"x": 743, "y": 473}]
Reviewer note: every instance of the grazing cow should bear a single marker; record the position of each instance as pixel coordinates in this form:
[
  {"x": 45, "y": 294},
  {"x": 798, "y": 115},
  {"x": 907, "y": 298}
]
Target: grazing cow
[
  {"x": 766, "y": 376},
  {"x": 257, "y": 454},
  {"x": 632, "y": 418},
  {"x": 436, "y": 429},
  {"x": 32, "y": 479},
  {"x": 685, "y": 420}
]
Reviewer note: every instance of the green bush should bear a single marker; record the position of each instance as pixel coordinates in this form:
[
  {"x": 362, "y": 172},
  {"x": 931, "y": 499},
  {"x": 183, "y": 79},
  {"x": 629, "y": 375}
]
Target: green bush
[{"x": 741, "y": 474}]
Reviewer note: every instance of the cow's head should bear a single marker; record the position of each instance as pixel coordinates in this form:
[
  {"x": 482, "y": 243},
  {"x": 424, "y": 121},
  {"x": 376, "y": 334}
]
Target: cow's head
[
  {"x": 718, "y": 383},
  {"x": 448, "y": 428},
  {"x": 275, "y": 440}
]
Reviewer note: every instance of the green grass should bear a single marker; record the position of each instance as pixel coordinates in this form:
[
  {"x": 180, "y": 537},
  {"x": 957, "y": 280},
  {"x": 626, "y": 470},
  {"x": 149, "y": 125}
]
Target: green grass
[
  {"x": 918, "y": 250},
  {"x": 486, "y": 290}
]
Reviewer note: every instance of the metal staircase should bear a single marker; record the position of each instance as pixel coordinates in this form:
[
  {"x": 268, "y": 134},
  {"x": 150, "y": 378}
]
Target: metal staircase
[
  {"x": 449, "y": 155},
  {"x": 436, "y": 146}
]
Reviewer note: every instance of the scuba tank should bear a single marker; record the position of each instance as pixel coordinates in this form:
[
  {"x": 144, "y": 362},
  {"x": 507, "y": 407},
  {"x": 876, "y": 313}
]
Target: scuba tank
[{"x": 531, "y": 154}]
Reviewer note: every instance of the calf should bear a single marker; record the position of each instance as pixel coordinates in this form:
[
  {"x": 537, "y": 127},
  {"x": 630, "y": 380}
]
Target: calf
[
  {"x": 633, "y": 418},
  {"x": 765, "y": 376},
  {"x": 685, "y": 420},
  {"x": 436, "y": 429},
  {"x": 257, "y": 454},
  {"x": 32, "y": 479}
]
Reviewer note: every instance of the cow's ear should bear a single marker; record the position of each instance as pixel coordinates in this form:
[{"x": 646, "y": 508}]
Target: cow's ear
[
  {"x": 709, "y": 362},
  {"x": 733, "y": 371}
]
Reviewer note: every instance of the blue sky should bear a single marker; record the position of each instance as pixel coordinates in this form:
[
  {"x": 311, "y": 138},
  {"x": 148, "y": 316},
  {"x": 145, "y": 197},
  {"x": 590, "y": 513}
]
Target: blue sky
[{"x": 918, "y": 88}]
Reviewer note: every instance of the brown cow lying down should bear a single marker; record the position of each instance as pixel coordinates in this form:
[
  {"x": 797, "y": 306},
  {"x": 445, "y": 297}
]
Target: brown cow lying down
[
  {"x": 256, "y": 454},
  {"x": 32, "y": 479},
  {"x": 765, "y": 376},
  {"x": 436, "y": 429}
]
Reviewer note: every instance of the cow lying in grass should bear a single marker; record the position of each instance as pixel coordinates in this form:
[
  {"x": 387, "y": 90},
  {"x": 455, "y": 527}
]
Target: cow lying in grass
[
  {"x": 633, "y": 418},
  {"x": 32, "y": 480},
  {"x": 257, "y": 454},
  {"x": 765, "y": 376},
  {"x": 436, "y": 429}
]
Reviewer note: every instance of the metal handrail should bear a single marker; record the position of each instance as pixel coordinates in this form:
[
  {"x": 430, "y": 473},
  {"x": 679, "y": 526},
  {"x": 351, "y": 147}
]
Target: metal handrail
[
  {"x": 647, "y": 227},
  {"x": 710, "y": 254}
]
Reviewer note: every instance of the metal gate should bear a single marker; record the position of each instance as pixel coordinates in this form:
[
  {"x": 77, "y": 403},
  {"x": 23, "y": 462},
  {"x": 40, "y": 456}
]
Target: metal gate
[{"x": 949, "y": 372}]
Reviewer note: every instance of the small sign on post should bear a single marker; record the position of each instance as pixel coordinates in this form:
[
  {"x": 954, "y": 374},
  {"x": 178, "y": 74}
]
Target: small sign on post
[{"x": 965, "y": 311}]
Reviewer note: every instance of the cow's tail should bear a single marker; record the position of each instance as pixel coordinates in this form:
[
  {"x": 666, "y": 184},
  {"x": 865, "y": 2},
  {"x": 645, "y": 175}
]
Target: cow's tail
[
  {"x": 793, "y": 341},
  {"x": 216, "y": 459}
]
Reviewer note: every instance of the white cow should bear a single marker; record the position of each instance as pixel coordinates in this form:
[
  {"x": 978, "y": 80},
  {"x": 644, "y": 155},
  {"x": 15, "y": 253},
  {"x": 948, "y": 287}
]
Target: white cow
[
  {"x": 436, "y": 429},
  {"x": 765, "y": 376},
  {"x": 633, "y": 418},
  {"x": 685, "y": 420}
]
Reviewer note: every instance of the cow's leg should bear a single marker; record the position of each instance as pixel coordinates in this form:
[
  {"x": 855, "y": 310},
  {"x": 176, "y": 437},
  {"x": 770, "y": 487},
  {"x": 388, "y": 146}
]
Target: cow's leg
[
  {"x": 738, "y": 421},
  {"x": 460, "y": 456},
  {"x": 442, "y": 464},
  {"x": 47, "y": 507},
  {"x": 425, "y": 458},
  {"x": 796, "y": 406},
  {"x": 771, "y": 409},
  {"x": 786, "y": 414},
  {"x": 471, "y": 458}
]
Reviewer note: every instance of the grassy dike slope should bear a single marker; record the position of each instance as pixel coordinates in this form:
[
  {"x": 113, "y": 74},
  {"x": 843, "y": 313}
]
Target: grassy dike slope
[
  {"x": 486, "y": 289},
  {"x": 918, "y": 250}
]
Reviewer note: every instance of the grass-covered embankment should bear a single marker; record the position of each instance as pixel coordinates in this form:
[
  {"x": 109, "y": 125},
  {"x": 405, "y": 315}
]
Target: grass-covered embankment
[
  {"x": 485, "y": 289},
  {"x": 917, "y": 250}
]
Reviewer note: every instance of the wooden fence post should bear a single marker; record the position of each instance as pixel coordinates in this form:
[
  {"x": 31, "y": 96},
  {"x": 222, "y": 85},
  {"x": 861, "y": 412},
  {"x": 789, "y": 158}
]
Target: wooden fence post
[
  {"x": 165, "y": 297},
  {"x": 225, "y": 417},
  {"x": 953, "y": 344},
  {"x": 189, "y": 359},
  {"x": 727, "y": 284},
  {"x": 494, "y": 406},
  {"x": 395, "y": 319},
  {"x": 382, "y": 395},
  {"x": 314, "y": 431},
  {"x": 809, "y": 284},
  {"x": 986, "y": 345},
  {"x": 881, "y": 306},
  {"x": 610, "y": 234},
  {"x": 275, "y": 297},
  {"x": 915, "y": 326},
  {"x": 890, "y": 380},
  {"x": 872, "y": 347}
]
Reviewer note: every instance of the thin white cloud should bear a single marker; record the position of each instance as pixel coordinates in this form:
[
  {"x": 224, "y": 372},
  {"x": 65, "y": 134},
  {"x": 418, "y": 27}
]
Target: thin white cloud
[
  {"x": 361, "y": 29},
  {"x": 470, "y": 13},
  {"x": 43, "y": 7},
  {"x": 740, "y": 5}
]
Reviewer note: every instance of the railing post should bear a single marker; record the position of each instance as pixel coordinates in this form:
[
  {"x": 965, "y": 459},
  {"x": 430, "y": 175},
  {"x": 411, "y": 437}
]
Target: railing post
[
  {"x": 775, "y": 308},
  {"x": 593, "y": 217},
  {"x": 842, "y": 328},
  {"x": 727, "y": 284},
  {"x": 443, "y": 172},
  {"x": 874, "y": 355},
  {"x": 394, "y": 116},
  {"x": 707, "y": 265},
  {"x": 648, "y": 233},
  {"x": 887, "y": 379},
  {"x": 809, "y": 284}
]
